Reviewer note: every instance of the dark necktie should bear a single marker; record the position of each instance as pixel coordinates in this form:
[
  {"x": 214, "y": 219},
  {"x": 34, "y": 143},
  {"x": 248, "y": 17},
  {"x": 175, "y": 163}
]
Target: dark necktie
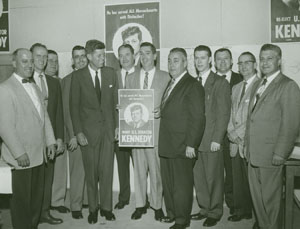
[
  {"x": 126, "y": 74},
  {"x": 199, "y": 78},
  {"x": 43, "y": 86},
  {"x": 27, "y": 80},
  {"x": 97, "y": 87},
  {"x": 243, "y": 91},
  {"x": 167, "y": 92},
  {"x": 224, "y": 76},
  {"x": 146, "y": 81}
]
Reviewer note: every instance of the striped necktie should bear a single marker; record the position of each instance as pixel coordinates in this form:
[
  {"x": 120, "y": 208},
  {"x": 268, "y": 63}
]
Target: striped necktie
[{"x": 146, "y": 81}]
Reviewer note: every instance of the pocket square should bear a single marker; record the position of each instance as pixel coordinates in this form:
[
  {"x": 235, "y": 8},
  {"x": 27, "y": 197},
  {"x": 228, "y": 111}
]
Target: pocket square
[{"x": 110, "y": 86}]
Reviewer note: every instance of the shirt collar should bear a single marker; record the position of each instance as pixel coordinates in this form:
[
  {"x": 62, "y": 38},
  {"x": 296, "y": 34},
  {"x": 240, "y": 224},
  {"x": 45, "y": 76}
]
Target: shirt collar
[
  {"x": 179, "y": 77},
  {"x": 249, "y": 81},
  {"x": 131, "y": 70},
  {"x": 150, "y": 72},
  {"x": 93, "y": 72},
  {"x": 272, "y": 77}
]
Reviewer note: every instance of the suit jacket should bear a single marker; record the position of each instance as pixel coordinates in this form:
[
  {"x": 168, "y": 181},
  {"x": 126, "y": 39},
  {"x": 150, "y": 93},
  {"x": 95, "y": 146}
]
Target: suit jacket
[
  {"x": 119, "y": 77},
  {"x": 22, "y": 128},
  {"x": 235, "y": 79},
  {"x": 55, "y": 107},
  {"x": 159, "y": 84},
  {"x": 182, "y": 118},
  {"x": 87, "y": 114},
  {"x": 217, "y": 110},
  {"x": 273, "y": 124},
  {"x": 238, "y": 118},
  {"x": 65, "y": 86}
]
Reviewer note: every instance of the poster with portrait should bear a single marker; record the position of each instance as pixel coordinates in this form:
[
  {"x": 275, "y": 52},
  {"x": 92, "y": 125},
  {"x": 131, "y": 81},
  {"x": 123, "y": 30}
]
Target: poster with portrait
[
  {"x": 136, "y": 118},
  {"x": 131, "y": 24},
  {"x": 4, "y": 26},
  {"x": 285, "y": 20}
]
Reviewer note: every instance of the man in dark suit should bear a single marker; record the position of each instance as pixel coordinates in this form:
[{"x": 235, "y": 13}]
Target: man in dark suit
[
  {"x": 51, "y": 91},
  {"x": 236, "y": 133},
  {"x": 146, "y": 160},
  {"x": 209, "y": 169},
  {"x": 76, "y": 170},
  {"x": 26, "y": 131},
  {"x": 126, "y": 58},
  {"x": 272, "y": 127},
  {"x": 93, "y": 100},
  {"x": 181, "y": 129},
  {"x": 223, "y": 65}
]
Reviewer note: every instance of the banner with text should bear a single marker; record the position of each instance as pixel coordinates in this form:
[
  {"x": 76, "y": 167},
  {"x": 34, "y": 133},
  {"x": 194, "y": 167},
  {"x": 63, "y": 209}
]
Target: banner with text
[
  {"x": 136, "y": 118},
  {"x": 285, "y": 20},
  {"x": 130, "y": 24},
  {"x": 4, "y": 26}
]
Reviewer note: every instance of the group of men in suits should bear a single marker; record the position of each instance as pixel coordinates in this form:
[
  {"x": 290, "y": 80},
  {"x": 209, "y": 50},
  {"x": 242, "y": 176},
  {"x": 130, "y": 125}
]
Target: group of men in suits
[{"x": 244, "y": 123}]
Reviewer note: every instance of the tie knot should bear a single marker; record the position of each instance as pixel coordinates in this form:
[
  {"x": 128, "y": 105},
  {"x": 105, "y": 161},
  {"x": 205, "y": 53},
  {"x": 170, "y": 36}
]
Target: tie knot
[
  {"x": 224, "y": 76},
  {"x": 41, "y": 75},
  {"x": 27, "y": 80},
  {"x": 126, "y": 73},
  {"x": 146, "y": 74},
  {"x": 264, "y": 81},
  {"x": 96, "y": 73}
]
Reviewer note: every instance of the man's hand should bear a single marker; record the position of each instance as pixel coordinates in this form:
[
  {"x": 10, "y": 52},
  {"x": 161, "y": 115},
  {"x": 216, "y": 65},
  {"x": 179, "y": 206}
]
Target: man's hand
[
  {"x": 156, "y": 113},
  {"x": 82, "y": 139},
  {"x": 23, "y": 160},
  {"x": 51, "y": 151},
  {"x": 277, "y": 160},
  {"x": 215, "y": 146},
  {"x": 190, "y": 152},
  {"x": 60, "y": 146},
  {"x": 117, "y": 134},
  {"x": 72, "y": 144}
]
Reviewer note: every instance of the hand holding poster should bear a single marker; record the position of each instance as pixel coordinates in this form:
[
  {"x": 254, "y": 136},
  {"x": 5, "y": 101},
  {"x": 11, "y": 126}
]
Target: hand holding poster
[{"x": 136, "y": 118}]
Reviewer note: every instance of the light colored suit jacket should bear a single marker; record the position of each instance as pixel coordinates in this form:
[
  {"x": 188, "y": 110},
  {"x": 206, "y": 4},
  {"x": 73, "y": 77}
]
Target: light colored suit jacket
[
  {"x": 159, "y": 84},
  {"x": 238, "y": 117},
  {"x": 273, "y": 124},
  {"x": 22, "y": 128}
]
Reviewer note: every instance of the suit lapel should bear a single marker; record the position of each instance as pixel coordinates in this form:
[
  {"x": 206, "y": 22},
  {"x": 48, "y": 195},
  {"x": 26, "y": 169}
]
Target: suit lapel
[
  {"x": 88, "y": 84},
  {"x": 120, "y": 82},
  {"x": 155, "y": 81},
  {"x": 209, "y": 85},
  {"x": 248, "y": 92}
]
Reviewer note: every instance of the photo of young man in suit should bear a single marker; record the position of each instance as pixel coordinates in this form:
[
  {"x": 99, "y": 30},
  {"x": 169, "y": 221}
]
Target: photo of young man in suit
[
  {"x": 93, "y": 100},
  {"x": 182, "y": 126},
  {"x": 272, "y": 127}
]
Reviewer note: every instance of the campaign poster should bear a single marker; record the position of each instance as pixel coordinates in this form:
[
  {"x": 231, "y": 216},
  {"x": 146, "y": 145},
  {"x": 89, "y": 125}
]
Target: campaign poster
[
  {"x": 285, "y": 21},
  {"x": 4, "y": 26},
  {"x": 136, "y": 118},
  {"x": 131, "y": 24}
]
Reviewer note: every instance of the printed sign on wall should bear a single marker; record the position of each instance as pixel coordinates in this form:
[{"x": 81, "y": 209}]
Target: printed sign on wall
[{"x": 4, "y": 26}]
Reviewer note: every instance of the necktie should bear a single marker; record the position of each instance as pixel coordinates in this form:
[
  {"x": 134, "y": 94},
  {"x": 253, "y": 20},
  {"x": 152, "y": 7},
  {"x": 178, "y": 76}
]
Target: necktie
[
  {"x": 97, "y": 87},
  {"x": 146, "y": 81},
  {"x": 125, "y": 80},
  {"x": 27, "y": 80},
  {"x": 44, "y": 89},
  {"x": 199, "y": 78},
  {"x": 167, "y": 92},
  {"x": 259, "y": 92},
  {"x": 243, "y": 91},
  {"x": 224, "y": 76}
]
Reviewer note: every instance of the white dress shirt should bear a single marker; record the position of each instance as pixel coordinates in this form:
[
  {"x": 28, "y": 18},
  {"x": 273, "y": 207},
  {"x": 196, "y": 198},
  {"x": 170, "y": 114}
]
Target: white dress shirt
[
  {"x": 150, "y": 77},
  {"x": 123, "y": 74},
  {"x": 228, "y": 75},
  {"x": 31, "y": 91},
  {"x": 93, "y": 74},
  {"x": 204, "y": 76}
]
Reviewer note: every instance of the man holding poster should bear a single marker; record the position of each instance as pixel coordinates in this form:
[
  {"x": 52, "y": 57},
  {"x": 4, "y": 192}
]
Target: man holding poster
[{"x": 146, "y": 159}]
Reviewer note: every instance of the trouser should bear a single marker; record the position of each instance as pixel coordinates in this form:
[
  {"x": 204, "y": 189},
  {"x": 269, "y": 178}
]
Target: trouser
[
  {"x": 49, "y": 172},
  {"x": 228, "y": 184}
]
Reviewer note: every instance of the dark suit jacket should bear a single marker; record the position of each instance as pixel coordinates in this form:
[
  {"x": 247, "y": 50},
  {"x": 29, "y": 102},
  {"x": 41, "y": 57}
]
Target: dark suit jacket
[
  {"x": 273, "y": 125},
  {"x": 55, "y": 108},
  {"x": 235, "y": 79},
  {"x": 182, "y": 118},
  {"x": 87, "y": 114},
  {"x": 217, "y": 110}
]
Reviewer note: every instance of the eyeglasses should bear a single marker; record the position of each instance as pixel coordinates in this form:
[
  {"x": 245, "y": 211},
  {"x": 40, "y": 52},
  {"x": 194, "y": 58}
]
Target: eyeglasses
[{"x": 245, "y": 63}]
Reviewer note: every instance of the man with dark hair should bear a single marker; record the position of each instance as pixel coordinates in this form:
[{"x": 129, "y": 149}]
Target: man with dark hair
[
  {"x": 93, "y": 100},
  {"x": 26, "y": 131},
  {"x": 76, "y": 170},
  {"x": 51, "y": 90},
  {"x": 223, "y": 65},
  {"x": 126, "y": 58},
  {"x": 272, "y": 127},
  {"x": 52, "y": 64},
  {"x": 182, "y": 125},
  {"x": 146, "y": 159},
  {"x": 236, "y": 134},
  {"x": 136, "y": 115},
  {"x": 133, "y": 36},
  {"x": 209, "y": 168}
]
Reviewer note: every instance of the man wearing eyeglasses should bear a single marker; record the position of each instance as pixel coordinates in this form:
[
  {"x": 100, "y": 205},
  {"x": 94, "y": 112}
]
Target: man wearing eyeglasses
[{"x": 236, "y": 133}]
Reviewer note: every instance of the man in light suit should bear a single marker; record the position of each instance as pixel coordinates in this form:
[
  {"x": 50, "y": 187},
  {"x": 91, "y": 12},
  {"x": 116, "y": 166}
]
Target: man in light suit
[
  {"x": 272, "y": 128},
  {"x": 236, "y": 134},
  {"x": 209, "y": 169},
  {"x": 146, "y": 159},
  {"x": 182, "y": 126},
  {"x": 126, "y": 58},
  {"x": 93, "y": 100},
  {"x": 26, "y": 131},
  {"x": 51, "y": 90},
  {"x": 76, "y": 170},
  {"x": 223, "y": 65}
]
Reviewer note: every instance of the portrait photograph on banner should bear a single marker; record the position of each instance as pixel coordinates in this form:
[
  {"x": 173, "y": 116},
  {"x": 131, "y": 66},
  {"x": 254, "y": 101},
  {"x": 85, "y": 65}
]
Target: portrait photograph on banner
[
  {"x": 131, "y": 24},
  {"x": 136, "y": 118}
]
